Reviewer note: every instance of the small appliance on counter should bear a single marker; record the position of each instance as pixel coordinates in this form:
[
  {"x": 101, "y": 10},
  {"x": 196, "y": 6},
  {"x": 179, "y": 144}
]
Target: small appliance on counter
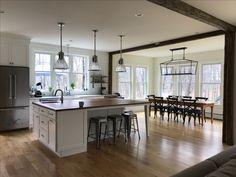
[{"x": 38, "y": 93}]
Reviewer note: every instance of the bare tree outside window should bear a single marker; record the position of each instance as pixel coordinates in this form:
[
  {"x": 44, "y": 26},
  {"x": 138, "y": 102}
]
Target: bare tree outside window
[
  {"x": 124, "y": 83},
  {"x": 211, "y": 82},
  {"x": 141, "y": 82}
]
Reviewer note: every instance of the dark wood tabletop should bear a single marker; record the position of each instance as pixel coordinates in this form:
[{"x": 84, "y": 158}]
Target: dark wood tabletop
[{"x": 91, "y": 103}]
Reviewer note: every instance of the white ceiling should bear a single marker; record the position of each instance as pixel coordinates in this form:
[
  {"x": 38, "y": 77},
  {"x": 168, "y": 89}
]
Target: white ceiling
[
  {"x": 38, "y": 19},
  {"x": 201, "y": 45},
  {"x": 222, "y": 9}
]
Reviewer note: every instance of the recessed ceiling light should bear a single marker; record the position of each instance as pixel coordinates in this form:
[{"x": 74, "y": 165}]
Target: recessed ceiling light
[{"x": 139, "y": 15}]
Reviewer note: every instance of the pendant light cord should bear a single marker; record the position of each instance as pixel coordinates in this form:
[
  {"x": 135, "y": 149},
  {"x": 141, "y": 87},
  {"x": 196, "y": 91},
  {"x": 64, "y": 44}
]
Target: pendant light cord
[
  {"x": 95, "y": 41},
  {"x": 61, "y": 35},
  {"x": 121, "y": 46}
]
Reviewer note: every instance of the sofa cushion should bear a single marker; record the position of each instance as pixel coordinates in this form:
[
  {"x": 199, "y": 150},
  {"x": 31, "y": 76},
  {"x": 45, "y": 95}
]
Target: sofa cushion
[
  {"x": 227, "y": 170},
  {"x": 198, "y": 170},
  {"x": 224, "y": 156}
]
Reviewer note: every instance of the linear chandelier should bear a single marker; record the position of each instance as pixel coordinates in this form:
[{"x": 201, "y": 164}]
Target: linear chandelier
[{"x": 182, "y": 66}]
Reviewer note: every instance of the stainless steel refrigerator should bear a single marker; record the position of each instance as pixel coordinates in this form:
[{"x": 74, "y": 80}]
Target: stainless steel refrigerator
[{"x": 14, "y": 98}]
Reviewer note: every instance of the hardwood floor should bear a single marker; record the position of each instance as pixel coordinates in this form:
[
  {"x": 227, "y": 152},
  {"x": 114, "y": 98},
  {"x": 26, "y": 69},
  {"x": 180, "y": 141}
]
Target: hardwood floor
[{"x": 170, "y": 148}]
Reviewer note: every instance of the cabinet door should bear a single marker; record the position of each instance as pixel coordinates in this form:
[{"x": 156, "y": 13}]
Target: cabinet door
[
  {"x": 4, "y": 53},
  {"x": 19, "y": 54},
  {"x": 52, "y": 134},
  {"x": 36, "y": 119}
]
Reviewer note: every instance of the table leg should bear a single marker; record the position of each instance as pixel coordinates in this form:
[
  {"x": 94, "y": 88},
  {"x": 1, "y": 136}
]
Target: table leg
[
  {"x": 146, "y": 111},
  {"x": 211, "y": 114},
  {"x": 203, "y": 115}
]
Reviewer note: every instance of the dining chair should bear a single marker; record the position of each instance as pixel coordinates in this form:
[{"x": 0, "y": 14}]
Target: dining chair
[
  {"x": 151, "y": 99},
  {"x": 190, "y": 110},
  {"x": 198, "y": 98},
  {"x": 172, "y": 107},
  {"x": 160, "y": 106}
]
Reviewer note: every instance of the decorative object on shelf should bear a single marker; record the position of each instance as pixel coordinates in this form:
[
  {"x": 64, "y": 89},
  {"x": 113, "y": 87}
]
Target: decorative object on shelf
[
  {"x": 60, "y": 63},
  {"x": 121, "y": 67},
  {"x": 72, "y": 85},
  {"x": 182, "y": 66},
  {"x": 99, "y": 79},
  {"x": 94, "y": 66}
]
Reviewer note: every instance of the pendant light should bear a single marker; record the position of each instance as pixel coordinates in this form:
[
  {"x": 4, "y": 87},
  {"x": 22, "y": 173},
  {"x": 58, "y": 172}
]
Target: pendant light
[
  {"x": 94, "y": 66},
  {"x": 121, "y": 67},
  {"x": 60, "y": 63}
]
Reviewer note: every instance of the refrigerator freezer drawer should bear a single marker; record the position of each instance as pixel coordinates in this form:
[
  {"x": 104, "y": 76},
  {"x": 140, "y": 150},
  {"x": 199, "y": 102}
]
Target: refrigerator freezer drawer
[{"x": 14, "y": 118}]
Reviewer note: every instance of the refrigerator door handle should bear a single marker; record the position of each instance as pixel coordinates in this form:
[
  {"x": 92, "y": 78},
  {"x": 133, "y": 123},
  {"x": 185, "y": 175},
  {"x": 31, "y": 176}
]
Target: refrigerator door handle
[
  {"x": 10, "y": 87},
  {"x": 14, "y": 87}
]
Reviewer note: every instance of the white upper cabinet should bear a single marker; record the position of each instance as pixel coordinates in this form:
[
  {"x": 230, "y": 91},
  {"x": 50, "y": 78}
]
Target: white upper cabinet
[{"x": 14, "y": 50}]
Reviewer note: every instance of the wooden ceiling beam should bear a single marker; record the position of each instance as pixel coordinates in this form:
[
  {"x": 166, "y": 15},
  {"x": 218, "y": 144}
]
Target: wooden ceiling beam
[
  {"x": 170, "y": 42},
  {"x": 195, "y": 13}
]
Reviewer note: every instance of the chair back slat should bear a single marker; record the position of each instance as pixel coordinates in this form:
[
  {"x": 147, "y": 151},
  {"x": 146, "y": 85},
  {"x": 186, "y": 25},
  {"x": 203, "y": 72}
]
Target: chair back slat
[
  {"x": 189, "y": 104},
  {"x": 198, "y": 98}
]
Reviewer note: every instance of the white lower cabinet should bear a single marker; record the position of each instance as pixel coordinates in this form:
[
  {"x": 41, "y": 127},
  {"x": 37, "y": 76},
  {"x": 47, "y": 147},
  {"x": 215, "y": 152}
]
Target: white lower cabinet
[
  {"x": 52, "y": 134},
  {"x": 44, "y": 126}
]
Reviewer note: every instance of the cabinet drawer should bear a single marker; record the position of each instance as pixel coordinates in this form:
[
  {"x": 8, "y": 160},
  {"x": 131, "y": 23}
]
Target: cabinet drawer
[
  {"x": 43, "y": 136},
  {"x": 43, "y": 111},
  {"x": 51, "y": 114},
  {"x": 36, "y": 108},
  {"x": 44, "y": 122}
]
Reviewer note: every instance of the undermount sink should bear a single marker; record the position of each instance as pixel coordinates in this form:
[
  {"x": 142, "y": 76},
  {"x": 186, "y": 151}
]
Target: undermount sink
[{"x": 50, "y": 99}]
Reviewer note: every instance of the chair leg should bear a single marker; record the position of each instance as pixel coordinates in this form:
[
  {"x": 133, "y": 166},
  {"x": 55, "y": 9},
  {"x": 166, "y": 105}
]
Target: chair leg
[
  {"x": 89, "y": 130},
  {"x": 97, "y": 134},
  {"x": 114, "y": 131},
  {"x": 120, "y": 127},
  {"x": 137, "y": 127},
  {"x": 105, "y": 135}
]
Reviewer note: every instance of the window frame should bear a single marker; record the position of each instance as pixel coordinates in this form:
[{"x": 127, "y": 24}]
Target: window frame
[
  {"x": 135, "y": 80},
  {"x": 53, "y": 82},
  {"x": 221, "y": 80},
  {"x": 131, "y": 81}
]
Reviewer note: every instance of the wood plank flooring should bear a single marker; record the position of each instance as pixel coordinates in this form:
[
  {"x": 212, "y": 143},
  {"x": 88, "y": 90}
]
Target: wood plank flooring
[{"x": 170, "y": 148}]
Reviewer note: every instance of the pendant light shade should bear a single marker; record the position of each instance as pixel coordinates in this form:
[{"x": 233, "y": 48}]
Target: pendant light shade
[
  {"x": 121, "y": 67},
  {"x": 60, "y": 63},
  {"x": 94, "y": 66}
]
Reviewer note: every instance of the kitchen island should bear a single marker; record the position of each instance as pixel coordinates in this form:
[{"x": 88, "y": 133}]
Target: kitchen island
[{"x": 62, "y": 127}]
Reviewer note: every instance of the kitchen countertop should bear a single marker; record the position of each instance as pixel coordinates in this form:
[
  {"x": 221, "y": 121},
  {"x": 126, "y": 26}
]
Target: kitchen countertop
[
  {"x": 90, "y": 103},
  {"x": 67, "y": 97}
]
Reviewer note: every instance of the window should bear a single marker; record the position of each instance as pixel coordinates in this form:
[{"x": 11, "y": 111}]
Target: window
[
  {"x": 80, "y": 72},
  {"x": 167, "y": 84},
  {"x": 211, "y": 82},
  {"x": 42, "y": 69},
  {"x": 62, "y": 76},
  {"x": 186, "y": 83},
  {"x": 77, "y": 72},
  {"x": 124, "y": 83},
  {"x": 141, "y": 82}
]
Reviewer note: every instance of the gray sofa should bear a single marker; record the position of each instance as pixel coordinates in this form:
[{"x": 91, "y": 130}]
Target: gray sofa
[{"x": 220, "y": 165}]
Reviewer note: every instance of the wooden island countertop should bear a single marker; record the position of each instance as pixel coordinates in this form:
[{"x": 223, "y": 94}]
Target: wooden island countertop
[{"x": 90, "y": 104}]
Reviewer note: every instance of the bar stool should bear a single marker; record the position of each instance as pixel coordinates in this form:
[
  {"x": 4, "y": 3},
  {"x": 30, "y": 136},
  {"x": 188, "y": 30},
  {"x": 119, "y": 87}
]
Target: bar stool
[
  {"x": 98, "y": 121},
  {"x": 129, "y": 117},
  {"x": 133, "y": 120},
  {"x": 114, "y": 119}
]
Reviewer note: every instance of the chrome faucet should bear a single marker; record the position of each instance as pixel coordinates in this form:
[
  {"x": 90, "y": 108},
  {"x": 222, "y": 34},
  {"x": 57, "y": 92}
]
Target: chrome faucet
[{"x": 61, "y": 94}]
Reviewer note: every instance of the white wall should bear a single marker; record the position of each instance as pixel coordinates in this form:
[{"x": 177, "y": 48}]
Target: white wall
[
  {"x": 216, "y": 56},
  {"x": 37, "y": 47},
  {"x": 134, "y": 61}
]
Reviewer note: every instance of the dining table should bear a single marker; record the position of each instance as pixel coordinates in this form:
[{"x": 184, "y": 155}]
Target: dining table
[{"x": 199, "y": 104}]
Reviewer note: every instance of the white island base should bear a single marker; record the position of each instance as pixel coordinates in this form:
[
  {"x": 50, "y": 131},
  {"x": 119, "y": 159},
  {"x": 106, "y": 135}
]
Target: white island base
[{"x": 64, "y": 131}]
